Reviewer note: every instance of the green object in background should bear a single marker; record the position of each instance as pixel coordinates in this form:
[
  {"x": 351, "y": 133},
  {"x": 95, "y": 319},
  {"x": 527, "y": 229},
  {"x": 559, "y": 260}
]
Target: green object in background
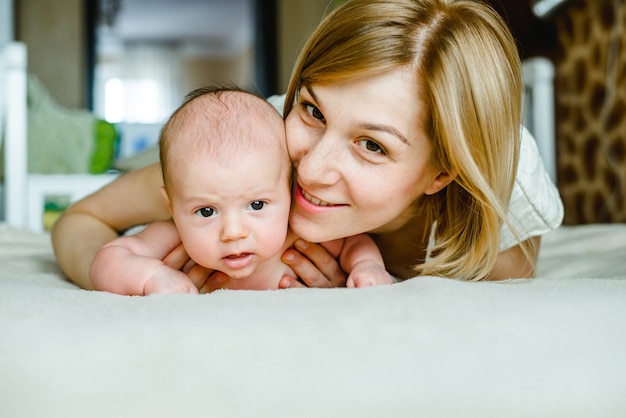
[
  {"x": 105, "y": 140},
  {"x": 54, "y": 205}
]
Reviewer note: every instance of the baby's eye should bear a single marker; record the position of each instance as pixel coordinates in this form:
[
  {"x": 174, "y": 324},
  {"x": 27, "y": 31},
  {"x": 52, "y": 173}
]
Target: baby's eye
[
  {"x": 205, "y": 212},
  {"x": 257, "y": 205},
  {"x": 314, "y": 111},
  {"x": 371, "y": 146}
]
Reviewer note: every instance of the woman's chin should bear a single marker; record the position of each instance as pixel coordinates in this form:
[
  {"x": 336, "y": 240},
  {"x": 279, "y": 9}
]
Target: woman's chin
[{"x": 311, "y": 231}]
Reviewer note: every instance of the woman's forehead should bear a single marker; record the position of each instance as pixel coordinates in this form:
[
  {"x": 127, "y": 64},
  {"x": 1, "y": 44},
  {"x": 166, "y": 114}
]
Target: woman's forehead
[{"x": 390, "y": 96}]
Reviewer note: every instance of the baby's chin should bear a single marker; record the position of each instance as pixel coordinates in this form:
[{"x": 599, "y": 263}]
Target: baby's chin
[
  {"x": 238, "y": 274},
  {"x": 243, "y": 281}
]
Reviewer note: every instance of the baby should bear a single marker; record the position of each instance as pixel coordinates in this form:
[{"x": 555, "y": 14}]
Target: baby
[{"x": 227, "y": 185}]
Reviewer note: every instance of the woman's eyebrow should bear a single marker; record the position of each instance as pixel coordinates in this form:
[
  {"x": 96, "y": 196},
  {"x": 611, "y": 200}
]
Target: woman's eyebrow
[
  {"x": 369, "y": 126},
  {"x": 385, "y": 128},
  {"x": 312, "y": 93}
]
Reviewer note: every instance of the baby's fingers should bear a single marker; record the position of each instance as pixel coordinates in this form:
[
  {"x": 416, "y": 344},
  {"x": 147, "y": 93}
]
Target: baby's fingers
[
  {"x": 176, "y": 284},
  {"x": 287, "y": 282}
]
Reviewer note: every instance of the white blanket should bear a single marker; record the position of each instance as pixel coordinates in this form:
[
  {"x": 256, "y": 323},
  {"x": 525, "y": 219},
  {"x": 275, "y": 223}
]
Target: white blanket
[{"x": 554, "y": 346}]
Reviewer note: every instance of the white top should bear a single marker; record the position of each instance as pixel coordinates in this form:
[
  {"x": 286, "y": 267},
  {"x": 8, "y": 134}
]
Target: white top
[{"x": 535, "y": 208}]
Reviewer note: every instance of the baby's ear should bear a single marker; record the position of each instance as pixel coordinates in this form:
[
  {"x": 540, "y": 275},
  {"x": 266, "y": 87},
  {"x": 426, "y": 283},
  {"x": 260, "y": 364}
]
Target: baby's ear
[
  {"x": 440, "y": 182},
  {"x": 166, "y": 198}
]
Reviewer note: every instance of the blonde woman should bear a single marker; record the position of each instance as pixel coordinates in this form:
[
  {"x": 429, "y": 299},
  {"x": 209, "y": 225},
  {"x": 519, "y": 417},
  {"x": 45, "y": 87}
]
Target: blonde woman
[{"x": 403, "y": 119}]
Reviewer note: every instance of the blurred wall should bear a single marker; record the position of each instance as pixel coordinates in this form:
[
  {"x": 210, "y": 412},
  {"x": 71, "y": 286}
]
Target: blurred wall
[
  {"x": 57, "y": 51},
  {"x": 297, "y": 19},
  {"x": 6, "y": 21},
  {"x": 55, "y": 32},
  {"x": 199, "y": 71}
]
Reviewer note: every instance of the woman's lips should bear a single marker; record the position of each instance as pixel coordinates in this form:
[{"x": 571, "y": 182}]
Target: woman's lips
[
  {"x": 311, "y": 203},
  {"x": 315, "y": 200}
]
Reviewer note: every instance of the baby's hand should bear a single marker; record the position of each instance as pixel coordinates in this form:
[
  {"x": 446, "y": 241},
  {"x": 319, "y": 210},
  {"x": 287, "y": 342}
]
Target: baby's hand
[
  {"x": 169, "y": 281},
  {"x": 368, "y": 273}
]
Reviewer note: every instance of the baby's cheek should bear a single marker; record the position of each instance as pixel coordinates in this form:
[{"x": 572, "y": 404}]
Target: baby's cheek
[{"x": 270, "y": 239}]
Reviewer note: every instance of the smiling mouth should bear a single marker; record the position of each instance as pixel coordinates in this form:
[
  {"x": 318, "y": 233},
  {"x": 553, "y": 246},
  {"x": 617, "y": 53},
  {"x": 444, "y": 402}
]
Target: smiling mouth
[{"x": 315, "y": 200}]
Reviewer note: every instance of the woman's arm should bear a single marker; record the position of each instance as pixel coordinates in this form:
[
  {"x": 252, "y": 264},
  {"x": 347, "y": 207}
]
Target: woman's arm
[
  {"x": 513, "y": 264},
  {"x": 132, "y": 199}
]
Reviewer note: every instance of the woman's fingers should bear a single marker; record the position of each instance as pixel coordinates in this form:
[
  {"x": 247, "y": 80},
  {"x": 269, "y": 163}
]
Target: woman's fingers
[
  {"x": 199, "y": 276},
  {"x": 177, "y": 259},
  {"x": 324, "y": 262},
  {"x": 213, "y": 280},
  {"x": 314, "y": 265}
]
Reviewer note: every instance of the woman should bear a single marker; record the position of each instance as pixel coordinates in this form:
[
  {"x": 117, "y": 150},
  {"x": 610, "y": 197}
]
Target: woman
[{"x": 403, "y": 120}]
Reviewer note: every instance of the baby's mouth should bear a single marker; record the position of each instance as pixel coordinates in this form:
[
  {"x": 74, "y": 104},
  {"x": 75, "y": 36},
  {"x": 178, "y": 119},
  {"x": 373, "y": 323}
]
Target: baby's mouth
[
  {"x": 236, "y": 261},
  {"x": 237, "y": 256}
]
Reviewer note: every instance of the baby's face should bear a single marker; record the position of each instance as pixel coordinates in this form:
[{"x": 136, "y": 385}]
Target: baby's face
[{"x": 232, "y": 213}]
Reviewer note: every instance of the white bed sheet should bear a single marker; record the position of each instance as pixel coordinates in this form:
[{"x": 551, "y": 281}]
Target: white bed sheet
[{"x": 554, "y": 346}]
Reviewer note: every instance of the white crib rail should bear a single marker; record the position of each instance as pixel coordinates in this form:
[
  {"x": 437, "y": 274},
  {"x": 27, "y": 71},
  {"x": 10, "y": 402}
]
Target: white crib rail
[
  {"x": 539, "y": 108},
  {"x": 15, "y": 147},
  {"x": 25, "y": 194}
]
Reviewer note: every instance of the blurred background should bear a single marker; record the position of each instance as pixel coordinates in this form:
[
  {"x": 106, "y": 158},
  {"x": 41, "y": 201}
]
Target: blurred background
[{"x": 131, "y": 62}]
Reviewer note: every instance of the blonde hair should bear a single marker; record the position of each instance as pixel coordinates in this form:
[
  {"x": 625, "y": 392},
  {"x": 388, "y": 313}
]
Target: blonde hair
[
  {"x": 220, "y": 121},
  {"x": 470, "y": 84}
]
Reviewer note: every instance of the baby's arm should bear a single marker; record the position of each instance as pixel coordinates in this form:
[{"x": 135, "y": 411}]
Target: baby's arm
[
  {"x": 132, "y": 265},
  {"x": 360, "y": 258}
]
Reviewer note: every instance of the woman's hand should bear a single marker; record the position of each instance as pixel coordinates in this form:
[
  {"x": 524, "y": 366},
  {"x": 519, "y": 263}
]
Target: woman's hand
[
  {"x": 178, "y": 259},
  {"x": 203, "y": 278},
  {"x": 314, "y": 265}
]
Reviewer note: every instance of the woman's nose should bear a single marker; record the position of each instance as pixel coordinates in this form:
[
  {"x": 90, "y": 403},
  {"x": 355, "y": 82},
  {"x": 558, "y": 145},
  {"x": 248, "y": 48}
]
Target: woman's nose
[
  {"x": 233, "y": 228},
  {"x": 321, "y": 162}
]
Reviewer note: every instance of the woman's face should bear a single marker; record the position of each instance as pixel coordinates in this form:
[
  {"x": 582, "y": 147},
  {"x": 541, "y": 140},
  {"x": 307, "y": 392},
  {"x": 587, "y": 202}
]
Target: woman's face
[{"x": 360, "y": 156}]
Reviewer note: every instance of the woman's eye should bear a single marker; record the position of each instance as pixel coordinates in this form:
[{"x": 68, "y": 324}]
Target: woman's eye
[
  {"x": 205, "y": 212},
  {"x": 257, "y": 205},
  {"x": 371, "y": 146},
  {"x": 314, "y": 111}
]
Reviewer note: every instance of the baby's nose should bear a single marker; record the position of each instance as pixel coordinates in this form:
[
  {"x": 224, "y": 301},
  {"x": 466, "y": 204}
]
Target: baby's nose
[{"x": 233, "y": 228}]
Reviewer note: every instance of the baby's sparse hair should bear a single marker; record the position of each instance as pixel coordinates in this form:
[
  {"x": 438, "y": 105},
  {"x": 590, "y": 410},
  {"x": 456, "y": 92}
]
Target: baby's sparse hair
[{"x": 220, "y": 122}]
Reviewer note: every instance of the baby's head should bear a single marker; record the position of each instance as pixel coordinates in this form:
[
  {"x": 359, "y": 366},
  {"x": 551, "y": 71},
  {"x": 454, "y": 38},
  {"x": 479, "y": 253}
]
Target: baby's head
[
  {"x": 226, "y": 176},
  {"x": 222, "y": 123}
]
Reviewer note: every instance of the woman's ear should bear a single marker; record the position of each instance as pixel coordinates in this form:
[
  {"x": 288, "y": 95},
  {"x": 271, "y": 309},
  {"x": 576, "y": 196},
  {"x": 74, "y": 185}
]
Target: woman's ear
[
  {"x": 167, "y": 199},
  {"x": 440, "y": 182}
]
